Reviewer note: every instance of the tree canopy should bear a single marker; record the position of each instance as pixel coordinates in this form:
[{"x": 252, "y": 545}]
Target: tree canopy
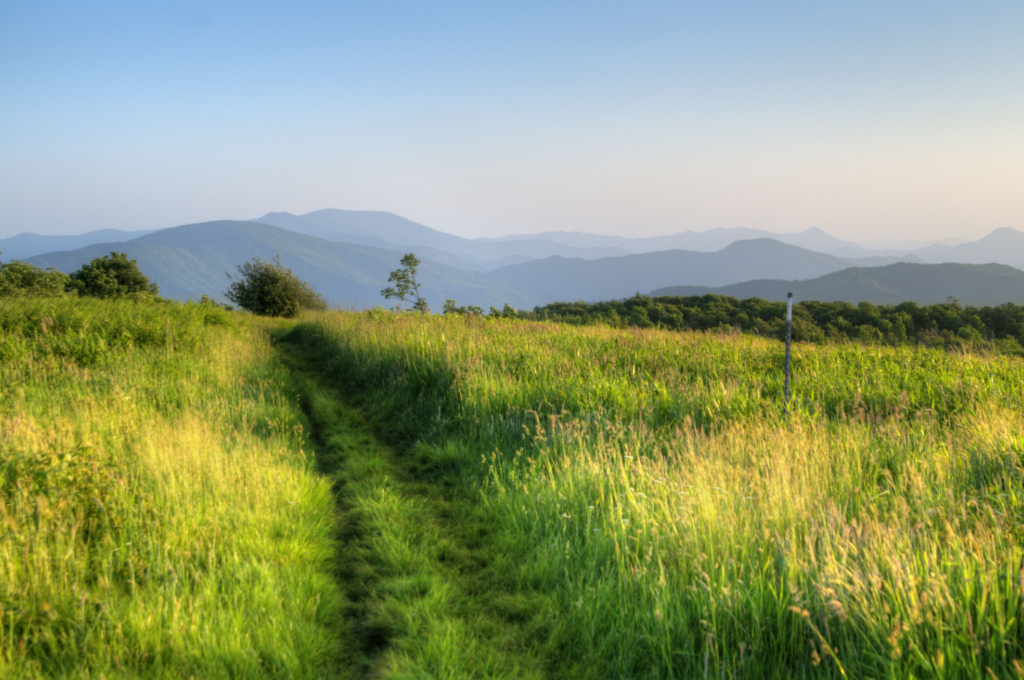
[
  {"x": 112, "y": 276},
  {"x": 19, "y": 278},
  {"x": 267, "y": 288}
]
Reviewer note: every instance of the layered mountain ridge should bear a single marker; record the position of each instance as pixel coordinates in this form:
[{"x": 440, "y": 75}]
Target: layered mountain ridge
[
  {"x": 970, "y": 284},
  {"x": 347, "y": 255}
]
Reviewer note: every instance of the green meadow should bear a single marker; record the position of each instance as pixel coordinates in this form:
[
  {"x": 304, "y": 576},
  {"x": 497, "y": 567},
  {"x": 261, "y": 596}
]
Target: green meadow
[
  {"x": 191, "y": 492},
  {"x": 160, "y": 513},
  {"x": 641, "y": 510}
]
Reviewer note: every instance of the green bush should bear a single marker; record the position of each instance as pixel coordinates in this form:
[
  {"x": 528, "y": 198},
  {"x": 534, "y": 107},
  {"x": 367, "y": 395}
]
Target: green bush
[
  {"x": 112, "y": 276},
  {"x": 267, "y": 288},
  {"x": 21, "y": 278}
]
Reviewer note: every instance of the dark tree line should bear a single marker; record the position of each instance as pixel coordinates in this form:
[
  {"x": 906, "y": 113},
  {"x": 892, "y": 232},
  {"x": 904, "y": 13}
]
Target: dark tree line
[{"x": 941, "y": 325}]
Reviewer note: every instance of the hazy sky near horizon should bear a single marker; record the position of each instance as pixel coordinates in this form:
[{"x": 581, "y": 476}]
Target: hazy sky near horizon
[{"x": 867, "y": 119}]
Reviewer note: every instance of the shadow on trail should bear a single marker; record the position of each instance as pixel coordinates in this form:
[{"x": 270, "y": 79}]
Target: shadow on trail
[{"x": 414, "y": 553}]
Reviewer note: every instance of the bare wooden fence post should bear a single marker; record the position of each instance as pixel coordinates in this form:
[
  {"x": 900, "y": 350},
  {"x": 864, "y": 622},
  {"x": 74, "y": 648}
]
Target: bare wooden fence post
[{"x": 789, "y": 339}]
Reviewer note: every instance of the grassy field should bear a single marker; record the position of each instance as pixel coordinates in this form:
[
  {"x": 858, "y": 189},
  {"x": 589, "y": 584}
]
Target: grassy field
[
  {"x": 636, "y": 507},
  {"x": 188, "y": 492},
  {"x": 160, "y": 515}
]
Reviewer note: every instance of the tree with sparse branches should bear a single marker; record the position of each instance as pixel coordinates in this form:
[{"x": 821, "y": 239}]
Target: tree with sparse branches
[{"x": 406, "y": 288}]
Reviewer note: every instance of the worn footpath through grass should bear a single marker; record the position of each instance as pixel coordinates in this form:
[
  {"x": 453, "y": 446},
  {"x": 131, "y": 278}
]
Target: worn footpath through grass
[
  {"x": 181, "y": 497},
  {"x": 654, "y": 517},
  {"x": 416, "y": 562}
]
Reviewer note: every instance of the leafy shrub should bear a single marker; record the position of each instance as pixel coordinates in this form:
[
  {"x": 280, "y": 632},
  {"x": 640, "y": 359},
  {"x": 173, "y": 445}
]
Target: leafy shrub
[
  {"x": 1009, "y": 346},
  {"x": 267, "y": 288},
  {"x": 112, "y": 276},
  {"x": 22, "y": 278}
]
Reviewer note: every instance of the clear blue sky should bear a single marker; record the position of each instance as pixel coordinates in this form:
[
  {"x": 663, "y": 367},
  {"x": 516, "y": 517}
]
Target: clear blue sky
[{"x": 868, "y": 119}]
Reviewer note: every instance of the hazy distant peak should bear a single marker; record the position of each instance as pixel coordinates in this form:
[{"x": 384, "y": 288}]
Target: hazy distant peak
[
  {"x": 766, "y": 245},
  {"x": 1003, "y": 234},
  {"x": 28, "y": 244},
  {"x": 763, "y": 240},
  {"x": 820, "y": 235},
  {"x": 336, "y": 212},
  {"x": 976, "y": 284}
]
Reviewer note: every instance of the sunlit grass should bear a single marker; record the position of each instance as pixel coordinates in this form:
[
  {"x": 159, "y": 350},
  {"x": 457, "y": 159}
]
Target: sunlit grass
[
  {"x": 681, "y": 528},
  {"x": 159, "y": 511}
]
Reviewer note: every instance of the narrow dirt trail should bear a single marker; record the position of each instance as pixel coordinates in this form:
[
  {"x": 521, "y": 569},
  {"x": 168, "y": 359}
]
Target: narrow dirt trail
[{"x": 413, "y": 557}]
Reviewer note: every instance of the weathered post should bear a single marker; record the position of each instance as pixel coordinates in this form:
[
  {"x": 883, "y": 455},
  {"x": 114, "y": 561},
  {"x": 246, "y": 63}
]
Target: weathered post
[{"x": 789, "y": 339}]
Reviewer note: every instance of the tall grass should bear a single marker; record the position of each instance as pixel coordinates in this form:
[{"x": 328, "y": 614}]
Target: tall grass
[
  {"x": 159, "y": 513},
  {"x": 680, "y": 528}
]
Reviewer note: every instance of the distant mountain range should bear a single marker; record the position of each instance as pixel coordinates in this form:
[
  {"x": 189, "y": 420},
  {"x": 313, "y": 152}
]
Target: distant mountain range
[
  {"x": 972, "y": 284},
  {"x": 387, "y": 230},
  {"x": 348, "y": 255},
  {"x": 709, "y": 241},
  {"x": 566, "y": 280},
  {"x": 1002, "y": 246},
  {"x": 27, "y": 244},
  {"x": 192, "y": 260},
  {"x": 715, "y": 239},
  {"x": 390, "y": 231}
]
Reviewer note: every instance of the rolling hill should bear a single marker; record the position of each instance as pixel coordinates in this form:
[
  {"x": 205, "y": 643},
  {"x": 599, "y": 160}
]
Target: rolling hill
[
  {"x": 1002, "y": 246},
  {"x": 980, "y": 285},
  {"x": 27, "y": 244},
  {"x": 710, "y": 241},
  {"x": 348, "y": 255},
  {"x": 191, "y": 260},
  {"x": 390, "y": 231},
  {"x": 561, "y": 279}
]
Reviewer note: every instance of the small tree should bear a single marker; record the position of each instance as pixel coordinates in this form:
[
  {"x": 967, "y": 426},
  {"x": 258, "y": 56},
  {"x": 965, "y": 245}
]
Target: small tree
[
  {"x": 19, "y": 278},
  {"x": 112, "y": 276},
  {"x": 267, "y": 288},
  {"x": 406, "y": 289}
]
